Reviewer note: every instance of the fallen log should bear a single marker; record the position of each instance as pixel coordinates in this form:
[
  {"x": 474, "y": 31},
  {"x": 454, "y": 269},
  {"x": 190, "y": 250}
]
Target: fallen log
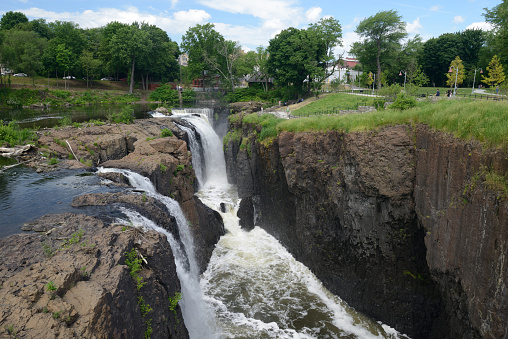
[{"x": 14, "y": 151}]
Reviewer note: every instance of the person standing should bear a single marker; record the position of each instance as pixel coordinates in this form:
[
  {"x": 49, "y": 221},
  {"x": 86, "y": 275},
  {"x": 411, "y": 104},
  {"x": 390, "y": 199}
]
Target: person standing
[{"x": 497, "y": 89}]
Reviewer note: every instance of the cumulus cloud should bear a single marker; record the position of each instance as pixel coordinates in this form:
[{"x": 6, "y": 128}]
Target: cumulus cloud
[
  {"x": 348, "y": 39},
  {"x": 414, "y": 27},
  {"x": 484, "y": 26},
  {"x": 263, "y": 9},
  {"x": 458, "y": 19},
  {"x": 177, "y": 23},
  {"x": 313, "y": 14}
]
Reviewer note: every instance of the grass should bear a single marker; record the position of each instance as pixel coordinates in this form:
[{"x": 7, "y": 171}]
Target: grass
[
  {"x": 486, "y": 122},
  {"x": 333, "y": 102}
]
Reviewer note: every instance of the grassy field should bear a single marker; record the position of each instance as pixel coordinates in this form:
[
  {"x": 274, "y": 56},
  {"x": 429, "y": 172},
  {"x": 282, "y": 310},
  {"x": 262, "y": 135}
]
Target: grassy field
[
  {"x": 485, "y": 121},
  {"x": 334, "y": 102}
]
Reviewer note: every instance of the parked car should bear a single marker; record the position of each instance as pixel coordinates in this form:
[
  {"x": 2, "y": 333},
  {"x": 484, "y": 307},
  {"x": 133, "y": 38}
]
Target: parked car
[
  {"x": 69, "y": 77},
  {"x": 20, "y": 75},
  {"x": 3, "y": 74},
  {"x": 87, "y": 78},
  {"x": 123, "y": 79},
  {"x": 107, "y": 79}
]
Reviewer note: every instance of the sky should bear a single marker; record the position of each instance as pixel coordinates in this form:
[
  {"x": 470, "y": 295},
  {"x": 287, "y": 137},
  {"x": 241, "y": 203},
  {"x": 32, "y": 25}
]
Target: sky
[{"x": 254, "y": 22}]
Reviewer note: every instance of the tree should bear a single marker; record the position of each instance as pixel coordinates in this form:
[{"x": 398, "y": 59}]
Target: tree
[
  {"x": 199, "y": 42},
  {"x": 457, "y": 74},
  {"x": 22, "y": 50},
  {"x": 382, "y": 34},
  {"x": 498, "y": 16},
  {"x": 63, "y": 60},
  {"x": 496, "y": 73},
  {"x": 296, "y": 57},
  {"x": 329, "y": 32},
  {"x": 11, "y": 20},
  {"x": 89, "y": 64},
  {"x": 129, "y": 44}
]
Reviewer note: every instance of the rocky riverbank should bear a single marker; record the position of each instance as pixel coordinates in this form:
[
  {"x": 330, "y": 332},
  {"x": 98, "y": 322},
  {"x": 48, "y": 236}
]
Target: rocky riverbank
[
  {"x": 402, "y": 223},
  {"x": 69, "y": 276}
]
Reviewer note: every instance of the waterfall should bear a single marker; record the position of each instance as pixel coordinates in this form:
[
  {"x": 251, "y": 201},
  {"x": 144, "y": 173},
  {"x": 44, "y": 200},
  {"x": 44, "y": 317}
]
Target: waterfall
[
  {"x": 257, "y": 288},
  {"x": 197, "y": 317}
]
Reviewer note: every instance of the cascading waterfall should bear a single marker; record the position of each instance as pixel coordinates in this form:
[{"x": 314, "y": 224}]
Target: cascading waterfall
[
  {"x": 257, "y": 289},
  {"x": 198, "y": 319}
]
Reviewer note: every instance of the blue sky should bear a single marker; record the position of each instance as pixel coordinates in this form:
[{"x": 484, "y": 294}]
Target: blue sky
[{"x": 255, "y": 22}]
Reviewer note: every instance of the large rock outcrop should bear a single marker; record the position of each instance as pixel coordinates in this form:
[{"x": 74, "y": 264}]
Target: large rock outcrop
[
  {"x": 370, "y": 214},
  {"x": 70, "y": 279}
]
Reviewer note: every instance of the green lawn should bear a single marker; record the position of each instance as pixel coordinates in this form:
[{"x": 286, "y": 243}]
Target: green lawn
[
  {"x": 484, "y": 121},
  {"x": 334, "y": 102}
]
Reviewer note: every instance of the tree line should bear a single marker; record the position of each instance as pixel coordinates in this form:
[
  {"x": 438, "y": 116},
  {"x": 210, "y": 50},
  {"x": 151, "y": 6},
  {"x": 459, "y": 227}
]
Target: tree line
[
  {"x": 296, "y": 60},
  {"x": 62, "y": 48}
]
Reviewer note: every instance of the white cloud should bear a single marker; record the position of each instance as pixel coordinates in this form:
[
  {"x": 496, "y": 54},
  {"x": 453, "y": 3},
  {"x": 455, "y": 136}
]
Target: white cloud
[
  {"x": 263, "y": 9},
  {"x": 436, "y": 8},
  {"x": 414, "y": 27},
  {"x": 313, "y": 14},
  {"x": 177, "y": 23},
  {"x": 356, "y": 21},
  {"x": 458, "y": 19},
  {"x": 484, "y": 26},
  {"x": 174, "y": 3},
  {"x": 348, "y": 39}
]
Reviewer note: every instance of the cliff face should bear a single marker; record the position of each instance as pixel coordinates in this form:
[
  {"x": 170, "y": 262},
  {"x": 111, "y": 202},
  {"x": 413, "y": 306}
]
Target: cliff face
[{"x": 354, "y": 208}]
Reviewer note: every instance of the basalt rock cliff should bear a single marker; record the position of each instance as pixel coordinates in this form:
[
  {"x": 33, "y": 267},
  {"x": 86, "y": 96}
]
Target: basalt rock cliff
[
  {"x": 69, "y": 276},
  {"x": 403, "y": 223}
]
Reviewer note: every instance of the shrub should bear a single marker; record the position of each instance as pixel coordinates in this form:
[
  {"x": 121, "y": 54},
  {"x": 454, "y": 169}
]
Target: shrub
[
  {"x": 13, "y": 135},
  {"x": 166, "y": 132},
  {"x": 188, "y": 95},
  {"x": 403, "y": 101},
  {"x": 126, "y": 116},
  {"x": 164, "y": 93}
]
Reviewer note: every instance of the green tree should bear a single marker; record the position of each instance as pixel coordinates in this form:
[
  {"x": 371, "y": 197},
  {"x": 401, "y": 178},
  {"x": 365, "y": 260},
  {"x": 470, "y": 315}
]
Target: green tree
[
  {"x": 89, "y": 64},
  {"x": 457, "y": 74},
  {"x": 22, "y": 50},
  {"x": 12, "y": 19},
  {"x": 128, "y": 44},
  {"x": 496, "y": 73},
  {"x": 295, "y": 58},
  {"x": 329, "y": 32},
  {"x": 63, "y": 59},
  {"x": 382, "y": 34},
  {"x": 200, "y": 42},
  {"x": 498, "y": 16}
]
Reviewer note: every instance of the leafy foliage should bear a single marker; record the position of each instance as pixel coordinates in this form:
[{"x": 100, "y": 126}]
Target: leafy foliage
[
  {"x": 496, "y": 72},
  {"x": 134, "y": 263},
  {"x": 403, "y": 101},
  {"x": 12, "y": 135},
  {"x": 456, "y": 76},
  {"x": 164, "y": 93}
]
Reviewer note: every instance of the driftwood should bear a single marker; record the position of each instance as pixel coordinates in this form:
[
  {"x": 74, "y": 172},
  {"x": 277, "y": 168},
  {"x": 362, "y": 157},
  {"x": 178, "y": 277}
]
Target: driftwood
[
  {"x": 15, "y": 151},
  {"x": 75, "y": 157}
]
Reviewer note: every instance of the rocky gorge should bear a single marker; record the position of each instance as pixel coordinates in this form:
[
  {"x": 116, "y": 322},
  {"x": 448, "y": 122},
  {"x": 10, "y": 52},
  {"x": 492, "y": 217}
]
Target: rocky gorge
[
  {"x": 72, "y": 275},
  {"x": 404, "y": 223}
]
